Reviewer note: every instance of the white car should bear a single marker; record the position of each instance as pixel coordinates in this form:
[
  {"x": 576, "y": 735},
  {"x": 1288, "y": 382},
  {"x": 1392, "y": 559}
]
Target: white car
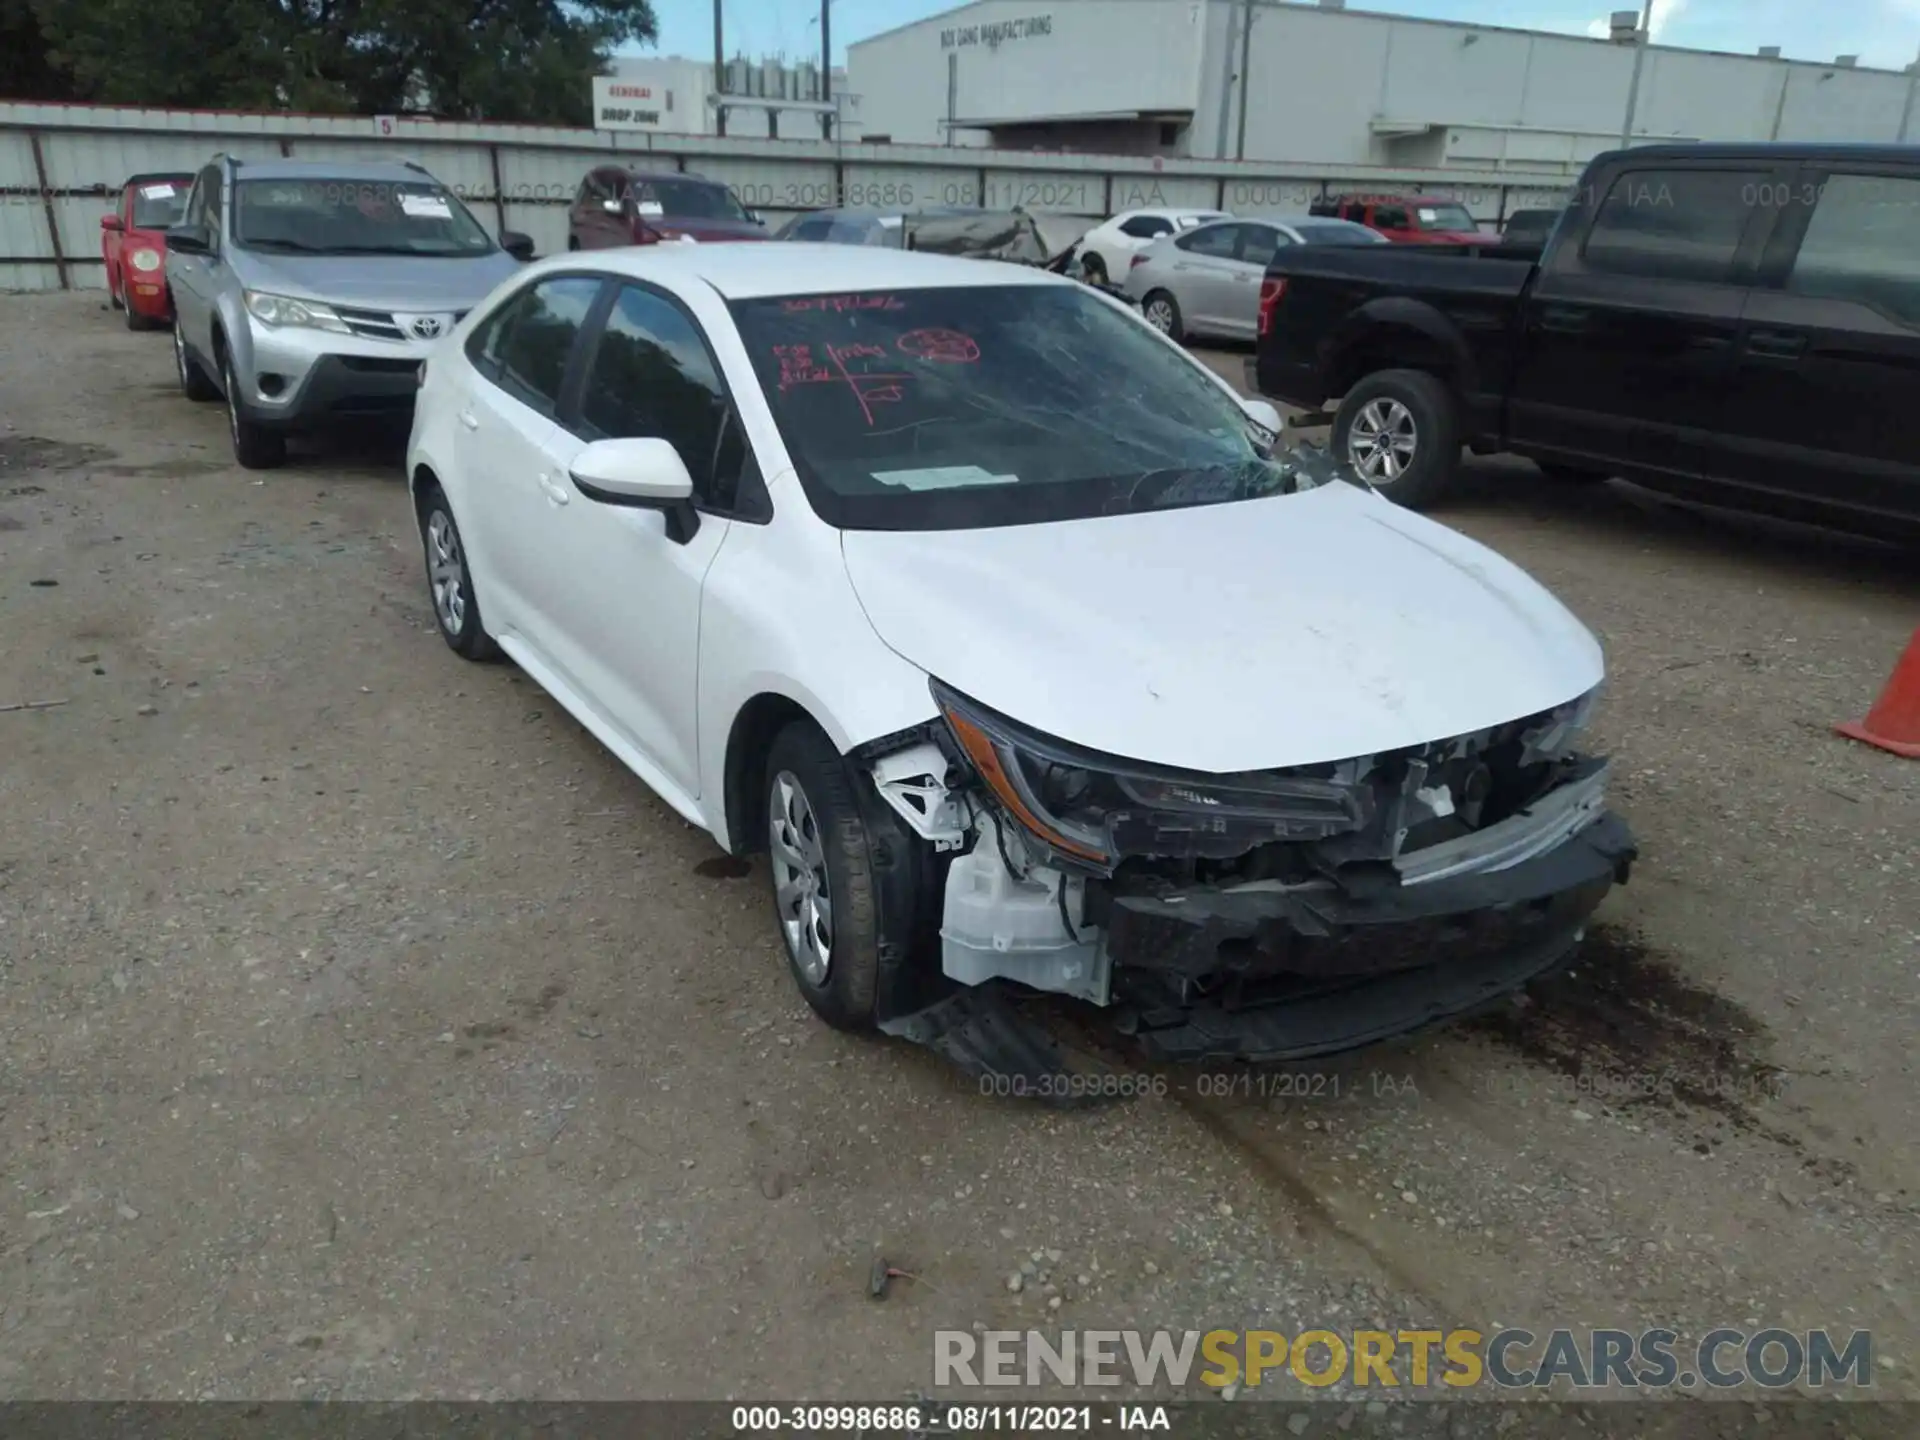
[
  {"x": 991, "y": 617},
  {"x": 1104, "y": 252}
]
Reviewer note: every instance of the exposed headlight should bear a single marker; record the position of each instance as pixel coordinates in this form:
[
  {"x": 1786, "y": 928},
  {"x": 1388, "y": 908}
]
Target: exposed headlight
[
  {"x": 1081, "y": 804},
  {"x": 148, "y": 260},
  {"x": 285, "y": 310}
]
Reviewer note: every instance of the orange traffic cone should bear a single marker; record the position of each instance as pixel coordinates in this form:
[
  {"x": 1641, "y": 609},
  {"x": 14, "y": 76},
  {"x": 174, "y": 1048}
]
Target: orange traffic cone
[{"x": 1894, "y": 722}]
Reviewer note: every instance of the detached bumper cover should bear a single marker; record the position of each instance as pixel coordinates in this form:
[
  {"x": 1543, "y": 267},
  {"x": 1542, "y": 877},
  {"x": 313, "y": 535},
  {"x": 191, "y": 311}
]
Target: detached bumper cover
[{"x": 1277, "y": 972}]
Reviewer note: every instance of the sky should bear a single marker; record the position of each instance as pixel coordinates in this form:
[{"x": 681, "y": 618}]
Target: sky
[{"x": 1883, "y": 33}]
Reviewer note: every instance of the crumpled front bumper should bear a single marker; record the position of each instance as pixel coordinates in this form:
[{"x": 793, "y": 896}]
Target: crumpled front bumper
[{"x": 1285, "y": 973}]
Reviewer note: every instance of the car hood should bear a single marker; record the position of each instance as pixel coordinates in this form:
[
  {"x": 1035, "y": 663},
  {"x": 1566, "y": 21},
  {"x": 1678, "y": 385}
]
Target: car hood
[
  {"x": 709, "y": 231},
  {"x": 1257, "y": 635},
  {"x": 414, "y": 283}
]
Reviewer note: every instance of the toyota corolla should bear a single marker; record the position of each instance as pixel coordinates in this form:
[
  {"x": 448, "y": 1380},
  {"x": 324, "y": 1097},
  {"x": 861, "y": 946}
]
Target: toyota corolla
[{"x": 1012, "y": 638}]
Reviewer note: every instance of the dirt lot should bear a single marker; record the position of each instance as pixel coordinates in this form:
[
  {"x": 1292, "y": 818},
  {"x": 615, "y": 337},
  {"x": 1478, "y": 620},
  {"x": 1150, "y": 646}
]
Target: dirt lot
[{"x": 367, "y": 1031}]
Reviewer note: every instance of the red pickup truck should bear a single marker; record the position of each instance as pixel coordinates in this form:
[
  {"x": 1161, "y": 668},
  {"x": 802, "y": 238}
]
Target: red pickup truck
[{"x": 1406, "y": 219}]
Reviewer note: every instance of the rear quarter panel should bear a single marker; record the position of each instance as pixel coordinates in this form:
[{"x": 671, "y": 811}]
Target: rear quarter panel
[{"x": 1350, "y": 310}]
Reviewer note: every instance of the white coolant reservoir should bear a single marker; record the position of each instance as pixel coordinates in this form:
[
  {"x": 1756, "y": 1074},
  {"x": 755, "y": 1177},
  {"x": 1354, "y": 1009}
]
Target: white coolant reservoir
[{"x": 997, "y": 925}]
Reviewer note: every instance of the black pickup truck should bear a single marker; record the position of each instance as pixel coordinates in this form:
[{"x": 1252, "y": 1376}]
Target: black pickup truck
[{"x": 1734, "y": 324}]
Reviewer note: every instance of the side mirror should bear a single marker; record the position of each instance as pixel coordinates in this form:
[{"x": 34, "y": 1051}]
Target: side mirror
[
  {"x": 1264, "y": 414},
  {"x": 188, "y": 240},
  {"x": 111, "y": 222},
  {"x": 516, "y": 244},
  {"x": 639, "y": 474}
]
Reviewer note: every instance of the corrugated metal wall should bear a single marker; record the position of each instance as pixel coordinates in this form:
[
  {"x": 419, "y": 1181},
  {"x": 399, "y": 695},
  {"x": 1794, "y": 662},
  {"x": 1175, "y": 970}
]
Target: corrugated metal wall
[{"x": 68, "y": 163}]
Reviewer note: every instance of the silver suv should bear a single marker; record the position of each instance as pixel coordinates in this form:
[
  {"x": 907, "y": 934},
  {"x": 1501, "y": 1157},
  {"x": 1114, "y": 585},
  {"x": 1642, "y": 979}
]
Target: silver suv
[{"x": 307, "y": 292}]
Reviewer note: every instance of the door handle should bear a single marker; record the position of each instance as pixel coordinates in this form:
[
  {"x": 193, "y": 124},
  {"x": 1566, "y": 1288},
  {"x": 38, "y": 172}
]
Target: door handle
[
  {"x": 555, "y": 491},
  {"x": 1776, "y": 344},
  {"x": 1563, "y": 320},
  {"x": 469, "y": 419}
]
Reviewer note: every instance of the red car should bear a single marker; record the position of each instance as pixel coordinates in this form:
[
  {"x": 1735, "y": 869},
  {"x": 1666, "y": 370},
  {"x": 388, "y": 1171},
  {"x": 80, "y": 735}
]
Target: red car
[
  {"x": 618, "y": 206},
  {"x": 1408, "y": 219},
  {"x": 133, "y": 243}
]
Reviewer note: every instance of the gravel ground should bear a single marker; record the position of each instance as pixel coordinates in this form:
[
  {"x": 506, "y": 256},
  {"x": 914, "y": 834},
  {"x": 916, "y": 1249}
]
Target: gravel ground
[{"x": 366, "y": 1031}]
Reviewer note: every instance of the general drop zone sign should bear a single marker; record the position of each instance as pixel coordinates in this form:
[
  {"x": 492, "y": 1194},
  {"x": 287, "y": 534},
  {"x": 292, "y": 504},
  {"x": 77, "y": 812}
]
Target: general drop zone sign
[
  {"x": 995, "y": 31},
  {"x": 623, "y": 105}
]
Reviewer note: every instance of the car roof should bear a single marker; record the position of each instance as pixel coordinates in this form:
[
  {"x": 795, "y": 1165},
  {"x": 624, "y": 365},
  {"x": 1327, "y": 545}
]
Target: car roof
[
  {"x": 746, "y": 271},
  {"x": 389, "y": 170},
  {"x": 149, "y": 177}
]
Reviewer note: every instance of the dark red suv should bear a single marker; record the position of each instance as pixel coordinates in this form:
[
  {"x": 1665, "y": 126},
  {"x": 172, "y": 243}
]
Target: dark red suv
[{"x": 617, "y": 206}]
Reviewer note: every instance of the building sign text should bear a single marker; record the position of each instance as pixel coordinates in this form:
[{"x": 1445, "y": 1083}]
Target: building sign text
[{"x": 994, "y": 32}]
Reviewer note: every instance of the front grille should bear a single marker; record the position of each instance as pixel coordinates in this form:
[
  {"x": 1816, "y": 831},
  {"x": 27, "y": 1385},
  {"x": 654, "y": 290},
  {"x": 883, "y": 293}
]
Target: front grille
[
  {"x": 378, "y": 365},
  {"x": 369, "y": 324}
]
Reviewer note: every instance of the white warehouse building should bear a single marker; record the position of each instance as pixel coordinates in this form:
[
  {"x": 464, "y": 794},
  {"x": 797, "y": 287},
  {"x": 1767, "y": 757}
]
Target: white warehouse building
[{"x": 1298, "y": 82}]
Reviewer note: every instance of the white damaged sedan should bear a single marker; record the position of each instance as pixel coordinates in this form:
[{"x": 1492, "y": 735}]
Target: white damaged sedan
[{"x": 999, "y": 624}]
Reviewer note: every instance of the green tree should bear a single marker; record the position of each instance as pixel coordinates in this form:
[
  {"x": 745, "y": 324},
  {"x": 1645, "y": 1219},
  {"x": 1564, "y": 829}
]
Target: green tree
[
  {"x": 498, "y": 60},
  {"x": 26, "y": 71}
]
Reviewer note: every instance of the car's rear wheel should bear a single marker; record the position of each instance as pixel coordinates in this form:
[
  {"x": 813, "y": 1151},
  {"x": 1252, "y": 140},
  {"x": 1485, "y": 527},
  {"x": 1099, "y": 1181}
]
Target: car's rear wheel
[
  {"x": 113, "y": 290},
  {"x": 1163, "y": 313},
  {"x": 194, "y": 383},
  {"x": 255, "y": 446},
  {"x": 851, "y": 888},
  {"x": 1399, "y": 430},
  {"x": 456, "y": 607}
]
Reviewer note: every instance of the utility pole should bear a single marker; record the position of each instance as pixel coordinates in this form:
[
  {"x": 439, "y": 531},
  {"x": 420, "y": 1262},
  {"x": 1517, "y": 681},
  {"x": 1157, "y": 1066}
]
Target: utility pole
[
  {"x": 826, "y": 68},
  {"x": 1640, "y": 38},
  {"x": 719, "y": 74},
  {"x": 1226, "y": 86},
  {"x": 1246, "y": 74},
  {"x": 1913, "y": 92}
]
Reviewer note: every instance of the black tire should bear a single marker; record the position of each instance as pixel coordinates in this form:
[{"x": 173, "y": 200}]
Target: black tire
[
  {"x": 1570, "y": 474},
  {"x": 255, "y": 446},
  {"x": 113, "y": 295},
  {"x": 1174, "y": 329},
  {"x": 194, "y": 383},
  {"x": 880, "y": 881},
  {"x": 459, "y": 621},
  {"x": 137, "y": 321},
  {"x": 1426, "y": 467},
  {"x": 573, "y": 242},
  {"x": 1093, "y": 269}
]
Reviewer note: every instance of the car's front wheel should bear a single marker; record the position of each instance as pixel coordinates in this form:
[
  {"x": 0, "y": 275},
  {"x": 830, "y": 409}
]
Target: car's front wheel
[
  {"x": 1400, "y": 431},
  {"x": 456, "y": 608},
  {"x": 855, "y": 895},
  {"x": 255, "y": 446},
  {"x": 194, "y": 383}
]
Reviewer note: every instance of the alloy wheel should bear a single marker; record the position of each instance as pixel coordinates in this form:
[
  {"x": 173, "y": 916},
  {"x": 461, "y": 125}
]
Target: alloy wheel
[
  {"x": 1382, "y": 440},
  {"x": 180, "y": 356},
  {"x": 1160, "y": 316},
  {"x": 233, "y": 401},
  {"x": 801, "y": 893},
  {"x": 445, "y": 573}
]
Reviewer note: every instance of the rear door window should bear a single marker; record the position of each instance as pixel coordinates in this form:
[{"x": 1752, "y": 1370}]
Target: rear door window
[
  {"x": 1217, "y": 241},
  {"x": 1147, "y": 227},
  {"x": 525, "y": 347},
  {"x": 1673, "y": 224},
  {"x": 1863, "y": 244},
  {"x": 1258, "y": 243}
]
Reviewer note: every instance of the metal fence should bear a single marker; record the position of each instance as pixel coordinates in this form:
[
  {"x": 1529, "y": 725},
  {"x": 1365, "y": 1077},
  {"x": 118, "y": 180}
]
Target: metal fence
[{"x": 62, "y": 166}]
